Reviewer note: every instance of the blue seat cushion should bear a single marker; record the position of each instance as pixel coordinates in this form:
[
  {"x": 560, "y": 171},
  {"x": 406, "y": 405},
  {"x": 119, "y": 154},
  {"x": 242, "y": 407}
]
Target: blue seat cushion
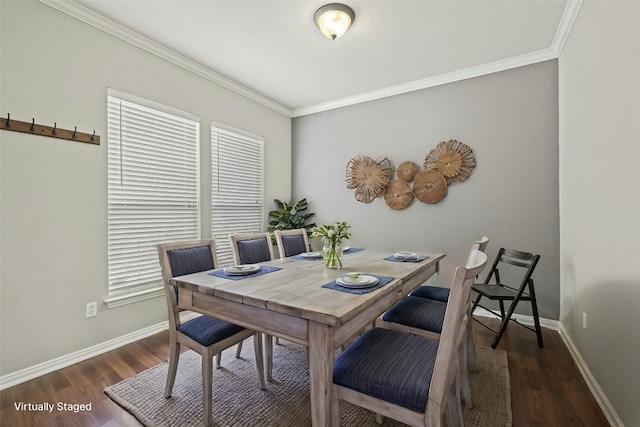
[
  {"x": 208, "y": 330},
  {"x": 389, "y": 365},
  {"x": 253, "y": 250},
  {"x": 293, "y": 245},
  {"x": 418, "y": 312},
  {"x": 432, "y": 292},
  {"x": 190, "y": 260}
]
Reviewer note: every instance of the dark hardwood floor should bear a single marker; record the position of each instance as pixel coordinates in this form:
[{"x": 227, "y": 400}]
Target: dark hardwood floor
[{"x": 546, "y": 386}]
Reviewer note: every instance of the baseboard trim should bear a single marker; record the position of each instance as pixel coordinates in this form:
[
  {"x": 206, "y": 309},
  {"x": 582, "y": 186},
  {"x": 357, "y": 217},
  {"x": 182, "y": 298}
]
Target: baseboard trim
[
  {"x": 525, "y": 320},
  {"x": 593, "y": 385},
  {"x": 40, "y": 369}
]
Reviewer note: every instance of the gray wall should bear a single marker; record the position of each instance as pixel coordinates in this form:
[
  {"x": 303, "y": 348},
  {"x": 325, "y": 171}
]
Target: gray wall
[
  {"x": 599, "y": 74},
  {"x": 510, "y": 120},
  {"x": 54, "y": 192}
]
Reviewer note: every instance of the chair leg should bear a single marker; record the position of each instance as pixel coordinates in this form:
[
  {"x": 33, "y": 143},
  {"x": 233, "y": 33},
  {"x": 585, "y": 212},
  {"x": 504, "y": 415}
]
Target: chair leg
[
  {"x": 218, "y": 360},
  {"x": 379, "y": 419},
  {"x": 463, "y": 375},
  {"x": 174, "y": 356},
  {"x": 453, "y": 410},
  {"x": 257, "y": 344},
  {"x": 534, "y": 309},
  {"x": 207, "y": 386},
  {"x": 472, "y": 364},
  {"x": 238, "y": 350},
  {"x": 268, "y": 348}
]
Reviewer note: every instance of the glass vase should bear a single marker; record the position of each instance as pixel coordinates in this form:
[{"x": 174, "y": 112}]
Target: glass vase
[{"x": 332, "y": 253}]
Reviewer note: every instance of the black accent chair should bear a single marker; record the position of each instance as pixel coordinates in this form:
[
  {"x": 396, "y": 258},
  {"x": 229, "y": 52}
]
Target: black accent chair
[{"x": 513, "y": 260}]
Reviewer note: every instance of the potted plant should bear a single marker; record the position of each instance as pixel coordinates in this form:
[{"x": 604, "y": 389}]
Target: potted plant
[{"x": 290, "y": 217}]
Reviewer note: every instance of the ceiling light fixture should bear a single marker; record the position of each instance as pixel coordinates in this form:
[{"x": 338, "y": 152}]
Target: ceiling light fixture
[{"x": 334, "y": 19}]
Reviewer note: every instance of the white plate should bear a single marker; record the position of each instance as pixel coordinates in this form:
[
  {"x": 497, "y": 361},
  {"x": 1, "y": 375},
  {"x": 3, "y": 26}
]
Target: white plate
[
  {"x": 311, "y": 254},
  {"x": 403, "y": 255},
  {"x": 239, "y": 270},
  {"x": 357, "y": 280}
]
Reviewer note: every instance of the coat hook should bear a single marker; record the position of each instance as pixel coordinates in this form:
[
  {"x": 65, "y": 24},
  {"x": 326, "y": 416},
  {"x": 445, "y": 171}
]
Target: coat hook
[
  {"x": 94, "y": 134},
  {"x": 75, "y": 128},
  {"x": 33, "y": 123},
  {"x": 55, "y": 125},
  {"x": 8, "y": 117}
]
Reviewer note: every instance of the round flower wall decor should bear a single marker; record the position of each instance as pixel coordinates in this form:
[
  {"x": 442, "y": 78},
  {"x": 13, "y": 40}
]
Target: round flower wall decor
[
  {"x": 407, "y": 171},
  {"x": 398, "y": 194},
  {"x": 369, "y": 177},
  {"x": 430, "y": 187},
  {"x": 452, "y": 159}
]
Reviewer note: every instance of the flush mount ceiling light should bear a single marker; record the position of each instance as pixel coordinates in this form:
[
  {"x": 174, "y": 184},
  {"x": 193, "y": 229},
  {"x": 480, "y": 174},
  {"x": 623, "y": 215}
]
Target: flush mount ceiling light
[{"x": 334, "y": 19}]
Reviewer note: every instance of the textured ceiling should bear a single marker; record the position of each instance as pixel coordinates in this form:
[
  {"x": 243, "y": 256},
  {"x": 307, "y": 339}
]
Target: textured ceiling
[{"x": 275, "y": 49}]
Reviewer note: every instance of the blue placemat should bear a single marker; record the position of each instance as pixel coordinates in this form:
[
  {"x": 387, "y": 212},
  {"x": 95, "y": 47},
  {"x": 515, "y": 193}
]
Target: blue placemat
[
  {"x": 352, "y": 250},
  {"x": 418, "y": 258},
  {"x": 264, "y": 269},
  {"x": 382, "y": 280},
  {"x": 300, "y": 257}
]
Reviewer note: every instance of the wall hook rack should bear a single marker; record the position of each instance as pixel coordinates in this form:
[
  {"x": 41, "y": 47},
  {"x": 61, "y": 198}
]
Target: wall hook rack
[{"x": 52, "y": 132}]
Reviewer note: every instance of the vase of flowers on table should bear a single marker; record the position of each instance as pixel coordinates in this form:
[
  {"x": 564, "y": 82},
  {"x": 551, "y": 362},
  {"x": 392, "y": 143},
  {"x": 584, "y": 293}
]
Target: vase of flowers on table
[{"x": 332, "y": 236}]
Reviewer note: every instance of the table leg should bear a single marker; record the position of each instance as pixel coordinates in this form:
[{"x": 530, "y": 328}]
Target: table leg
[{"x": 321, "y": 373}]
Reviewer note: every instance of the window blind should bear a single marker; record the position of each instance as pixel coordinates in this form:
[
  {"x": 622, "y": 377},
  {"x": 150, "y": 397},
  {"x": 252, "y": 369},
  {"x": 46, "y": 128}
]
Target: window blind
[
  {"x": 152, "y": 187},
  {"x": 236, "y": 186}
]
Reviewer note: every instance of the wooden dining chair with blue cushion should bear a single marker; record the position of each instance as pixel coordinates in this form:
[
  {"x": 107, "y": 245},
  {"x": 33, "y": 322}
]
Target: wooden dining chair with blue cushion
[
  {"x": 252, "y": 248},
  {"x": 424, "y": 317},
  {"x": 291, "y": 242},
  {"x": 205, "y": 335},
  {"x": 517, "y": 266},
  {"x": 440, "y": 293},
  {"x": 405, "y": 377}
]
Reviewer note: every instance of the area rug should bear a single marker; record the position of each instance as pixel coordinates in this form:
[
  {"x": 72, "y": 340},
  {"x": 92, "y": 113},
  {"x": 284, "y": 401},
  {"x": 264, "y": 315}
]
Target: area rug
[{"x": 239, "y": 402}]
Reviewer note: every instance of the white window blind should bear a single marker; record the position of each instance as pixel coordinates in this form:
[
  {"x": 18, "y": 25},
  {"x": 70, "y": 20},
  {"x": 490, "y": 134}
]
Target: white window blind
[
  {"x": 153, "y": 187},
  {"x": 236, "y": 186}
]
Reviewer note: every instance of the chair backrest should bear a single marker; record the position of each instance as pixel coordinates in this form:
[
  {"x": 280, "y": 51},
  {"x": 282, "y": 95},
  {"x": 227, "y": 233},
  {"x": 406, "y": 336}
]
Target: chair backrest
[
  {"x": 479, "y": 245},
  {"x": 453, "y": 331},
  {"x": 251, "y": 248},
  {"x": 525, "y": 260},
  {"x": 178, "y": 259},
  {"x": 291, "y": 242}
]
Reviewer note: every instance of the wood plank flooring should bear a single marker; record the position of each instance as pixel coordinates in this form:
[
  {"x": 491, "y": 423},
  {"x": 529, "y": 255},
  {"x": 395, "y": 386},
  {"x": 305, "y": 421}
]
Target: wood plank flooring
[{"x": 546, "y": 386}]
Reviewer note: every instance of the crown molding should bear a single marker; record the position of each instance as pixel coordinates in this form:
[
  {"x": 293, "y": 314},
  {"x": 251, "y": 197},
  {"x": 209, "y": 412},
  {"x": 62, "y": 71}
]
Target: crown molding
[
  {"x": 109, "y": 26},
  {"x": 566, "y": 24},
  {"x": 481, "y": 70}
]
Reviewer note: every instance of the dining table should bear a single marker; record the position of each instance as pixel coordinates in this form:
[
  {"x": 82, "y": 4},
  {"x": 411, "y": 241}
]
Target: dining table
[{"x": 299, "y": 299}]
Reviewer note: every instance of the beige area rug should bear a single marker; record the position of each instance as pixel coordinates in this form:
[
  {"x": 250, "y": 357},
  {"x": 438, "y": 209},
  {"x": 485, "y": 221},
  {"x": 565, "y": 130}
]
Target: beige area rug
[{"x": 285, "y": 403}]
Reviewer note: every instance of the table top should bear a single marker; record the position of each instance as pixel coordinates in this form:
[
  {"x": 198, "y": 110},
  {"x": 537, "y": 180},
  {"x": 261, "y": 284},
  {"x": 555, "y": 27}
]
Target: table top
[{"x": 296, "y": 289}]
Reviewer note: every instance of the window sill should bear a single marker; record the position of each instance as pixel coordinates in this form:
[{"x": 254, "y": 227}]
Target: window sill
[{"x": 133, "y": 297}]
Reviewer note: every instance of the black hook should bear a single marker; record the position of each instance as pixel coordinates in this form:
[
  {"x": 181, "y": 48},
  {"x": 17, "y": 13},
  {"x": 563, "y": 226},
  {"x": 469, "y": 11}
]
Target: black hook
[
  {"x": 8, "y": 117},
  {"x": 33, "y": 123},
  {"x": 94, "y": 134},
  {"x": 75, "y": 128},
  {"x": 55, "y": 125}
]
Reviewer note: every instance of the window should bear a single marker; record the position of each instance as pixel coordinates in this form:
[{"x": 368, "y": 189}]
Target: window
[
  {"x": 152, "y": 189},
  {"x": 236, "y": 186}
]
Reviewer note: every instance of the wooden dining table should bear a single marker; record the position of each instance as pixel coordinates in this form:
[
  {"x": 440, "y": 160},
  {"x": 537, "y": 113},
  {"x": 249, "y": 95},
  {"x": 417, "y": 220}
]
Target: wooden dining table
[{"x": 292, "y": 303}]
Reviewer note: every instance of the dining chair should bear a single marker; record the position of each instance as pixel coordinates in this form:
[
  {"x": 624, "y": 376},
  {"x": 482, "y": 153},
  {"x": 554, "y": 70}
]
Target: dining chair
[
  {"x": 405, "y": 377},
  {"x": 516, "y": 264},
  {"x": 424, "y": 317},
  {"x": 291, "y": 242},
  {"x": 439, "y": 293},
  {"x": 205, "y": 335},
  {"x": 252, "y": 248}
]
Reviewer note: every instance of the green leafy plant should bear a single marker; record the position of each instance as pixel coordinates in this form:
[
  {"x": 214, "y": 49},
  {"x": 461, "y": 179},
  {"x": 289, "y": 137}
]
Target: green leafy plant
[{"x": 290, "y": 217}]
